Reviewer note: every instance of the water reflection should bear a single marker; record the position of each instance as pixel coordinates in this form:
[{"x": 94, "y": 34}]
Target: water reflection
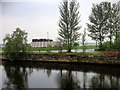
[
  {"x": 104, "y": 81},
  {"x": 48, "y": 71},
  {"x": 67, "y": 80},
  {"x": 17, "y": 77},
  {"x": 21, "y": 76}
]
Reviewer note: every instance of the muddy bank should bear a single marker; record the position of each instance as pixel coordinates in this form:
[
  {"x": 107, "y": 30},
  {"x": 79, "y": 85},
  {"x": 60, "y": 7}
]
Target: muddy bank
[
  {"x": 73, "y": 59},
  {"x": 70, "y": 57}
]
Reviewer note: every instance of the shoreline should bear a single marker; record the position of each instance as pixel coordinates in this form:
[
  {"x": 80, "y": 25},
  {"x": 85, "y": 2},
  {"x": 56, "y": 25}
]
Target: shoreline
[
  {"x": 74, "y": 62},
  {"x": 69, "y": 59}
]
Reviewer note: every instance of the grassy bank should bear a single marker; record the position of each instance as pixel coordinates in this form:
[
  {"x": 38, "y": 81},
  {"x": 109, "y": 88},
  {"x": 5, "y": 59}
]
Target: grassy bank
[
  {"x": 76, "y": 62},
  {"x": 103, "y": 57},
  {"x": 53, "y": 48},
  {"x": 48, "y": 49},
  {"x": 1, "y": 50},
  {"x": 70, "y": 53},
  {"x": 72, "y": 58},
  {"x": 86, "y": 47}
]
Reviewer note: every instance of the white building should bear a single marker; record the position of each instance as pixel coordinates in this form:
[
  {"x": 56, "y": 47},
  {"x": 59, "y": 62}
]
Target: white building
[{"x": 41, "y": 42}]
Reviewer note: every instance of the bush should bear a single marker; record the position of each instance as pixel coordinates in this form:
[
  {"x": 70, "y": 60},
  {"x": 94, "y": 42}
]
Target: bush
[
  {"x": 48, "y": 49},
  {"x": 59, "y": 45},
  {"x": 15, "y": 45},
  {"x": 106, "y": 46},
  {"x": 117, "y": 43}
]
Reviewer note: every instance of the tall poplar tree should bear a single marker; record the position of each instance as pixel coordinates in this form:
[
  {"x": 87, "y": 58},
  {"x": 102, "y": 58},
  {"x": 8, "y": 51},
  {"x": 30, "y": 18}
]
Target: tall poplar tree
[{"x": 69, "y": 23}]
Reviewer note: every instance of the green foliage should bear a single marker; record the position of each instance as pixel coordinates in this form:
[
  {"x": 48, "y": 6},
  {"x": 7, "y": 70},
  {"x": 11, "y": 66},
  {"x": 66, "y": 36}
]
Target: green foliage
[
  {"x": 15, "y": 44},
  {"x": 117, "y": 42},
  {"x": 68, "y": 23},
  {"x": 49, "y": 47},
  {"x": 28, "y": 48},
  {"x": 104, "y": 22},
  {"x": 59, "y": 45},
  {"x": 97, "y": 22},
  {"x": 42, "y": 48},
  {"x": 1, "y": 49},
  {"x": 75, "y": 46},
  {"x": 113, "y": 22},
  {"x": 114, "y": 45},
  {"x": 87, "y": 47},
  {"x": 106, "y": 46},
  {"x": 84, "y": 41}
]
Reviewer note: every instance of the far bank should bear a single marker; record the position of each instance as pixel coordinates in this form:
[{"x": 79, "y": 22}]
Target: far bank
[{"x": 104, "y": 58}]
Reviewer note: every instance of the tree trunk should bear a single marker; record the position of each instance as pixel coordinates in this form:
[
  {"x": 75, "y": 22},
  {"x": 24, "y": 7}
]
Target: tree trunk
[
  {"x": 100, "y": 39},
  {"x": 96, "y": 43},
  {"x": 69, "y": 50},
  {"x": 116, "y": 36},
  {"x": 100, "y": 46},
  {"x": 110, "y": 41}
]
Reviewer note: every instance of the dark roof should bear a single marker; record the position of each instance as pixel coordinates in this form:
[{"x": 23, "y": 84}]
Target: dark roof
[{"x": 38, "y": 40}]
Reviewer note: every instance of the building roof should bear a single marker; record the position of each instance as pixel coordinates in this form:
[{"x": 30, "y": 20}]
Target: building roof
[{"x": 38, "y": 40}]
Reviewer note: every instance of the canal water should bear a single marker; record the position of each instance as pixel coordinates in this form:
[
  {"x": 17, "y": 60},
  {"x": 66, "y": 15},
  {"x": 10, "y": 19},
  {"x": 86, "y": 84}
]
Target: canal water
[{"x": 52, "y": 75}]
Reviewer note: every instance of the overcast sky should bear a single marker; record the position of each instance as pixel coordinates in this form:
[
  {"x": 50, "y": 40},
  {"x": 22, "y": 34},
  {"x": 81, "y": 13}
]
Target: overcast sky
[{"x": 37, "y": 17}]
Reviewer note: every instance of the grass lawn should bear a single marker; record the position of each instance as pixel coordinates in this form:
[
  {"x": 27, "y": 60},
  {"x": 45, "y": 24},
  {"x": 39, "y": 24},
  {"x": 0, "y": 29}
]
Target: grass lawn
[
  {"x": 48, "y": 49},
  {"x": 86, "y": 47},
  {"x": 0, "y": 49},
  {"x": 53, "y": 48},
  {"x": 66, "y": 53},
  {"x": 43, "y": 49}
]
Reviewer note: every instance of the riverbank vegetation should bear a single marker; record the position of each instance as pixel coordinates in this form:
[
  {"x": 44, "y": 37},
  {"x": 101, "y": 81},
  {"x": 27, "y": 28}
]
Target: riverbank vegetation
[{"x": 68, "y": 53}]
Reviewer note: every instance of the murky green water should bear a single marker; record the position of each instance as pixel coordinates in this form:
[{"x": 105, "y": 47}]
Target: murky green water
[{"x": 42, "y": 75}]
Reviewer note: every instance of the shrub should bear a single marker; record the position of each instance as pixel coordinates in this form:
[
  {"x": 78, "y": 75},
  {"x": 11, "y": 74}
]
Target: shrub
[
  {"x": 106, "y": 46},
  {"x": 117, "y": 43},
  {"x": 15, "y": 44}
]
